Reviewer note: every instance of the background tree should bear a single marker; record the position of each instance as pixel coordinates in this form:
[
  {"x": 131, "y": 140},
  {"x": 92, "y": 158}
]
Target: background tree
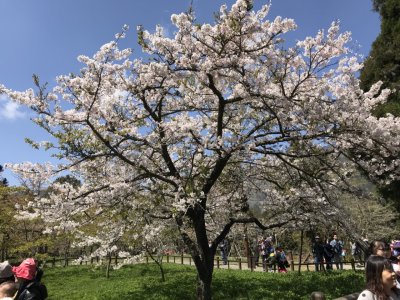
[
  {"x": 3, "y": 181},
  {"x": 163, "y": 135},
  {"x": 20, "y": 237},
  {"x": 383, "y": 63}
]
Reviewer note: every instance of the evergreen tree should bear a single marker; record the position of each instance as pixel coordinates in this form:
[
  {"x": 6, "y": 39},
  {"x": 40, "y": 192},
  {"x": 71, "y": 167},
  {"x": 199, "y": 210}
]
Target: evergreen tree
[{"x": 383, "y": 64}]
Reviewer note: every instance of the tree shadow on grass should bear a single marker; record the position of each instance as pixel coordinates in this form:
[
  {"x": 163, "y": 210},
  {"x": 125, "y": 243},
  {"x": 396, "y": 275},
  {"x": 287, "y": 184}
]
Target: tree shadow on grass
[{"x": 179, "y": 284}]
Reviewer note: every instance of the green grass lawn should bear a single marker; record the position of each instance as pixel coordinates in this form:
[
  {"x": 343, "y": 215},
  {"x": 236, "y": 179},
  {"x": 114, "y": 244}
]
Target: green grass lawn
[{"x": 143, "y": 282}]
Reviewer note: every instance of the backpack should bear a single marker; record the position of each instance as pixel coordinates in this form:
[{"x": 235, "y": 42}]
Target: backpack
[
  {"x": 328, "y": 251},
  {"x": 34, "y": 291},
  {"x": 337, "y": 247}
]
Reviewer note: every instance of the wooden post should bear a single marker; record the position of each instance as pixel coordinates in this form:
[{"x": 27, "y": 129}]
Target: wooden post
[
  {"x": 291, "y": 261},
  {"x": 116, "y": 259},
  {"x": 174, "y": 258},
  {"x": 353, "y": 263},
  {"x": 182, "y": 259},
  {"x": 147, "y": 259},
  {"x": 251, "y": 263},
  {"x": 217, "y": 262},
  {"x": 167, "y": 258},
  {"x": 240, "y": 263}
]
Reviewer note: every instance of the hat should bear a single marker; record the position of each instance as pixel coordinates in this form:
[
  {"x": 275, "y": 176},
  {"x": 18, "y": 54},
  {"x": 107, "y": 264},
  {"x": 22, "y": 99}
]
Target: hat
[
  {"x": 26, "y": 270},
  {"x": 5, "y": 270}
]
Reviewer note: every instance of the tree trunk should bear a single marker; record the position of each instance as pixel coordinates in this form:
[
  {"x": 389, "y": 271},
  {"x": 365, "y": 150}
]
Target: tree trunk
[
  {"x": 247, "y": 248},
  {"x": 66, "y": 252},
  {"x": 203, "y": 256},
  {"x": 158, "y": 260},
  {"x": 204, "y": 287},
  {"x": 301, "y": 249},
  {"x": 3, "y": 253},
  {"x": 108, "y": 266},
  {"x": 3, "y": 248},
  {"x": 161, "y": 271}
]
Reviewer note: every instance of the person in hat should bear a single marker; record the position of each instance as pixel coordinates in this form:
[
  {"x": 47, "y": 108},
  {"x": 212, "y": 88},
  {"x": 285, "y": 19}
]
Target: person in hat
[
  {"x": 6, "y": 273},
  {"x": 29, "y": 286}
]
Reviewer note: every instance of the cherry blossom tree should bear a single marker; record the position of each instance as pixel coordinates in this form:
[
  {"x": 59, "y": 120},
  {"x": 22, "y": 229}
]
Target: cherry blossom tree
[{"x": 187, "y": 133}]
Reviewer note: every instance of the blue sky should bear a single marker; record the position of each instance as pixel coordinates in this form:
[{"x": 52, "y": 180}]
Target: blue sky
[{"x": 45, "y": 37}]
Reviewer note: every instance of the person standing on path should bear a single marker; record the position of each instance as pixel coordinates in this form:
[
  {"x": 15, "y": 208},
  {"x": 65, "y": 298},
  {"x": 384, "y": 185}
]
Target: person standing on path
[
  {"x": 337, "y": 246},
  {"x": 318, "y": 253},
  {"x": 223, "y": 248}
]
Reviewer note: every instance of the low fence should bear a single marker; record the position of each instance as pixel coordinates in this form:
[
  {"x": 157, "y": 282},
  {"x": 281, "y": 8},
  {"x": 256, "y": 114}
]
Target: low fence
[{"x": 252, "y": 264}]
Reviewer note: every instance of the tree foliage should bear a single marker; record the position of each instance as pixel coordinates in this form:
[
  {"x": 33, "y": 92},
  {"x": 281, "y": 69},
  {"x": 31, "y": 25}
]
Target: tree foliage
[
  {"x": 3, "y": 181},
  {"x": 383, "y": 63}
]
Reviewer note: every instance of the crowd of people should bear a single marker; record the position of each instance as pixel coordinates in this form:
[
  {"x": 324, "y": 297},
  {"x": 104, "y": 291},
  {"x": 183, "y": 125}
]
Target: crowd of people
[
  {"x": 382, "y": 272},
  {"x": 328, "y": 253},
  {"x": 382, "y": 267},
  {"x": 271, "y": 256},
  {"x": 22, "y": 282}
]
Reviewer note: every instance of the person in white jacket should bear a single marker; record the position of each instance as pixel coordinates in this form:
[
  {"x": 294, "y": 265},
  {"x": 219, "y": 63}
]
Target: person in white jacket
[{"x": 381, "y": 280}]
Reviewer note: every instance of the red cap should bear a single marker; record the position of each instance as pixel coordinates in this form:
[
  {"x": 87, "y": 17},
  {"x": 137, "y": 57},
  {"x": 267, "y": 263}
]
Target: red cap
[{"x": 26, "y": 270}]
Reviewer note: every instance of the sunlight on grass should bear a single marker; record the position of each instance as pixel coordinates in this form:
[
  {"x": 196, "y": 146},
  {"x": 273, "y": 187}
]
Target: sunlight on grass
[{"x": 143, "y": 282}]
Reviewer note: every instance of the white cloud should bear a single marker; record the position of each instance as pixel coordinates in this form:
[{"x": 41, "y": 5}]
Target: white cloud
[{"x": 9, "y": 110}]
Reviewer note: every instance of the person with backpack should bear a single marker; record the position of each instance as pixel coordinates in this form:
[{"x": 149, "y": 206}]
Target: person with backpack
[
  {"x": 337, "y": 246},
  {"x": 281, "y": 260},
  {"x": 28, "y": 276},
  {"x": 328, "y": 255}
]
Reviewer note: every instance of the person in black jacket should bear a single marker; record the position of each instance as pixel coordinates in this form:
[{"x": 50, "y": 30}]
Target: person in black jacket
[
  {"x": 318, "y": 254},
  {"x": 328, "y": 255},
  {"x": 28, "y": 276}
]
